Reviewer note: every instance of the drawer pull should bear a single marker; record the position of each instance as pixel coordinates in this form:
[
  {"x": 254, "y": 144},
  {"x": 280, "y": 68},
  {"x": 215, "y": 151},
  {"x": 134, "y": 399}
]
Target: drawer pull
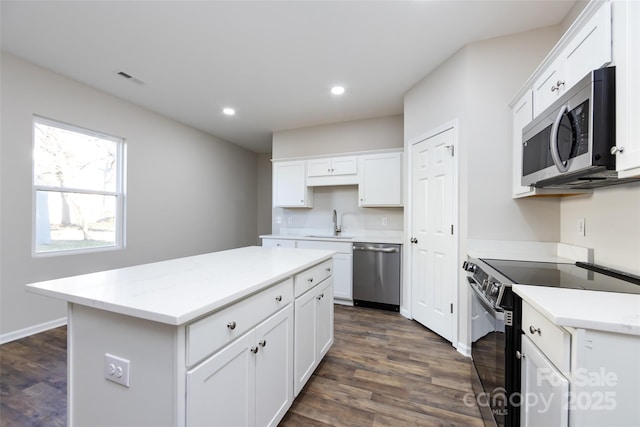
[
  {"x": 279, "y": 298},
  {"x": 328, "y": 269},
  {"x": 310, "y": 280},
  {"x": 254, "y": 349},
  {"x": 533, "y": 330},
  {"x": 262, "y": 343},
  {"x": 319, "y": 297},
  {"x": 231, "y": 325}
]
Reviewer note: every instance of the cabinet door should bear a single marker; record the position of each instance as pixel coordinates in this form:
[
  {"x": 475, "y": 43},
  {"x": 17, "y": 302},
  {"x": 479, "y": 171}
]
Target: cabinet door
[
  {"x": 627, "y": 60},
  {"x": 522, "y": 116},
  {"x": 344, "y": 165},
  {"x": 545, "y": 391},
  {"x": 380, "y": 180},
  {"x": 549, "y": 86},
  {"x": 274, "y": 368},
  {"x": 590, "y": 49},
  {"x": 343, "y": 276},
  {"x": 221, "y": 390},
  {"x": 305, "y": 357},
  {"x": 289, "y": 185},
  {"x": 319, "y": 167},
  {"x": 324, "y": 320}
]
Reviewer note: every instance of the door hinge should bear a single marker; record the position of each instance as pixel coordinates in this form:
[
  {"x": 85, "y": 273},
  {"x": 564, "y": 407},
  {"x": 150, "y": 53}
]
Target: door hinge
[
  {"x": 451, "y": 308},
  {"x": 451, "y": 228},
  {"x": 451, "y": 149}
]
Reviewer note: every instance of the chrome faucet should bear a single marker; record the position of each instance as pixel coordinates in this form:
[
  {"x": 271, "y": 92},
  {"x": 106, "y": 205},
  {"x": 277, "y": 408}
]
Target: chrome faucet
[{"x": 336, "y": 229}]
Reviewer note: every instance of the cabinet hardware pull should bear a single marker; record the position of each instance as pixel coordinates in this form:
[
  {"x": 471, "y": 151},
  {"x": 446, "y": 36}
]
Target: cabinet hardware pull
[
  {"x": 560, "y": 83},
  {"x": 231, "y": 325},
  {"x": 279, "y": 298},
  {"x": 262, "y": 343},
  {"x": 319, "y": 297},
  {"x": 533, "y": 330},
  {"x": 310, "y": 280},
  {"x": 328, "y": 270},
  {"x": 254, "y": 349},
  {"x": 554, "y": 88},
  {"x": 615, "y": 150}
]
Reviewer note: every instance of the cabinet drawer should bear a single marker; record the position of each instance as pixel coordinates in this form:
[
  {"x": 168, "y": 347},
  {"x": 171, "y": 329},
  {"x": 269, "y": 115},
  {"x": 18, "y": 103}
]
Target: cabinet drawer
[
  {"x": 554, "y": 341},
  {"x": 278, "y": 243},
  {"x": 311, "y": 277},
  {"x": 209, "y": 334}
]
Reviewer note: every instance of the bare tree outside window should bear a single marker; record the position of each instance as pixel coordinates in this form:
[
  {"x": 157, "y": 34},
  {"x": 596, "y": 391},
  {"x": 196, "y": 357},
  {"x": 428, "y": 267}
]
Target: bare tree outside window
[{"x": 77, "y": 177}]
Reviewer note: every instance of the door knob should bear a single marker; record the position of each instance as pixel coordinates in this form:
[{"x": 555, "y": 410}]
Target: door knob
[{"x": 414, "y": 240}]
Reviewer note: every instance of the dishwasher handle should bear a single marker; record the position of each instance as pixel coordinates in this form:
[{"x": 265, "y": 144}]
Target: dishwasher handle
[{"x": 387, "y": 250}]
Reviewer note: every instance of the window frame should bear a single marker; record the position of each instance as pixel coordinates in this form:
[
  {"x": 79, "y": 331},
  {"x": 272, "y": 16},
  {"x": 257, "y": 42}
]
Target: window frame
[{"x": 119, "y": 193}]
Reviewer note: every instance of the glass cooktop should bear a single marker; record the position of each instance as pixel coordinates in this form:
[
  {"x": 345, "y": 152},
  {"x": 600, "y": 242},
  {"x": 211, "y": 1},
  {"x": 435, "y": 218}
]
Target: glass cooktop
[{"x": 571, "y": 276}]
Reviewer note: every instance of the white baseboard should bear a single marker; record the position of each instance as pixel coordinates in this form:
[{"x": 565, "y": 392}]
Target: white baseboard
[
  {"x": 31, "y": 330},
  {"x": 464, "y": 349}
]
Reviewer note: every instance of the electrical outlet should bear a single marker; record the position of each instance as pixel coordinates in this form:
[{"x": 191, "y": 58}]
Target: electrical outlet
[
  {"x": 385, "y": 221},
  {"x": 580, "y": 230},
  {"x": 289, "y": 220},
  {"x": 117, "y": 369}
]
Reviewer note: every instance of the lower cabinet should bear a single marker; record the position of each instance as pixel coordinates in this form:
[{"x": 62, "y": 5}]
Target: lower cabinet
[
  {"x": 313, "y": 331},
  {"x": 249, "y": 382},
  {"x": 545, "y": 391}
]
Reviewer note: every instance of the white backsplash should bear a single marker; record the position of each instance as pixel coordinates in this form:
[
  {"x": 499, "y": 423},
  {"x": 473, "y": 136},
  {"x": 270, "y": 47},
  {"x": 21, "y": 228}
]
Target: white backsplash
[{"x": 353, "y": 219}]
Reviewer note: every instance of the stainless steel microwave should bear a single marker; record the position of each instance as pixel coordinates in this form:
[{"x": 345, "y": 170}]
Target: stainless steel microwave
[{"x": 569, "y": 144}]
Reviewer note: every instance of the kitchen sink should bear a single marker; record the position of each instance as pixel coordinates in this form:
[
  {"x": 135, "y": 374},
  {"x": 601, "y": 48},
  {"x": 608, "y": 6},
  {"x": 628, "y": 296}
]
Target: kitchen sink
[{"x": 330, "y": 237}]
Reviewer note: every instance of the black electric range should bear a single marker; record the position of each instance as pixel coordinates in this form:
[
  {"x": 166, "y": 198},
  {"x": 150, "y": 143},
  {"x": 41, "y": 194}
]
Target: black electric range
[{"x": 496, "y": 324}]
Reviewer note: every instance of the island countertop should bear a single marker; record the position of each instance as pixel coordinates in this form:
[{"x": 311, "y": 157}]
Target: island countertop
[{"x": 179, "y": 290}]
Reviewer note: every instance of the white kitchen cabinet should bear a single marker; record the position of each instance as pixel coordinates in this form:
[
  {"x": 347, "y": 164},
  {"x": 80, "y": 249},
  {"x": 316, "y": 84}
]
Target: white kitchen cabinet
[
  {"x": 332, "y": 171},
  {"x": 342, "y": 267},
  {"x": 313, "y": 331},
  {"x": 545, "y": 390},
  {"x": 249, "y": 382},
  {"x": 380, "y": 180},
  {"x": 289, "y": 185},
  {"x": 626, "y": 33},
  {"x": 577, "y": 377},
  {"x": 585, "y": 47},
  {"x": 278, "y": 243}
]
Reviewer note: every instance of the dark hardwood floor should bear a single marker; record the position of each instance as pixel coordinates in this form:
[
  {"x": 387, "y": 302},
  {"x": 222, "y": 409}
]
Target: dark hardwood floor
[{"x": 383, "y": 370}]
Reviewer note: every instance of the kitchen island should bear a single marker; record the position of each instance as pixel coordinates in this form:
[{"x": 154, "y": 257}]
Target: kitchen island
[{"x": 217, "y": 339}]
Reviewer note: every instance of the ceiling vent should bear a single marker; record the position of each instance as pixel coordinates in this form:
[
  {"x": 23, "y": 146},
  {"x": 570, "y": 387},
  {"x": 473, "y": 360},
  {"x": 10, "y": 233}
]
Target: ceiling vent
[{"x": 129, "y": 77}]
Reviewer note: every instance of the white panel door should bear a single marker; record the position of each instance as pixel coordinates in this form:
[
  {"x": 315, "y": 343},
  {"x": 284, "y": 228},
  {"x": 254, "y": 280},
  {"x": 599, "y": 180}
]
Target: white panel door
[{"x": 432, "y": 276}]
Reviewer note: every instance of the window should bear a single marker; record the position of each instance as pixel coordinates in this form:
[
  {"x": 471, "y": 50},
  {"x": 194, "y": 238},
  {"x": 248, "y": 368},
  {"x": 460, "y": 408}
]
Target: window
[{"x": 78, "y": 189}]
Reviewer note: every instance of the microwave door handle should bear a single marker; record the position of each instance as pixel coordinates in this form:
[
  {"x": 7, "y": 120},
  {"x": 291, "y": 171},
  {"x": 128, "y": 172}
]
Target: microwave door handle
[{"x": 553, "y": 141}]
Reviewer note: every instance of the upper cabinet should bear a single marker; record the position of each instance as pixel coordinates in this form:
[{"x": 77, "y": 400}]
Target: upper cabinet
[
  {"x": 606, "y": 33},
  {"x": 378, "y": 175},
  {"x": 626, "y": 35},
  {"x": 586, "y": 47},
  {"x": 380, "y": 180},
  {"x": 289, "y": 185},
  {"x": 332, "y": 171}
]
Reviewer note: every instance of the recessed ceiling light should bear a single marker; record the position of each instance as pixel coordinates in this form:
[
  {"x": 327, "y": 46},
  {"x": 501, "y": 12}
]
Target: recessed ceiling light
[
  {"x": 337, "y": 90},
  {"x": 229, "y": 111}
]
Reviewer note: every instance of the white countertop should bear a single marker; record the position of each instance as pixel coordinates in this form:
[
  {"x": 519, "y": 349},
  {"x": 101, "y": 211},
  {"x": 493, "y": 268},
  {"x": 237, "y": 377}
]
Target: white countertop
[
  {"x": 391, "y": 239},
  {"x": 180, "y": 290},
  {"x": 576, "y": 308}
]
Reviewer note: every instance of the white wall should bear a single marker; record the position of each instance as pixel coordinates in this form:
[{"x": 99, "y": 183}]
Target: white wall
[
  {"x": 359, "y": 135},
  {"x": 264, "y": 176},
  {"x": 475, "y": 87},
  {"x": 187, "y": 192},
  {"x": 612, "y": 225}
]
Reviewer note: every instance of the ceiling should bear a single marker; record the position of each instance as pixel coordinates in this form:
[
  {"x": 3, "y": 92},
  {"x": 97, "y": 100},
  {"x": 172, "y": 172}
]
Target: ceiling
[{"x": 273, "y": 61}]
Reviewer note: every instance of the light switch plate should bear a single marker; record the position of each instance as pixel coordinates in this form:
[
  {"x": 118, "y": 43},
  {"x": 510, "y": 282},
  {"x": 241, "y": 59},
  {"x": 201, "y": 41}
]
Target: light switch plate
[{"x": 580, "y": 230}]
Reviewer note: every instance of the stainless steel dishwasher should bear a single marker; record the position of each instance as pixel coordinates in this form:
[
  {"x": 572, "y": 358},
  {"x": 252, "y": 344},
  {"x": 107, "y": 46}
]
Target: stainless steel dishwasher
[{"x": 376, "y": 275}]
